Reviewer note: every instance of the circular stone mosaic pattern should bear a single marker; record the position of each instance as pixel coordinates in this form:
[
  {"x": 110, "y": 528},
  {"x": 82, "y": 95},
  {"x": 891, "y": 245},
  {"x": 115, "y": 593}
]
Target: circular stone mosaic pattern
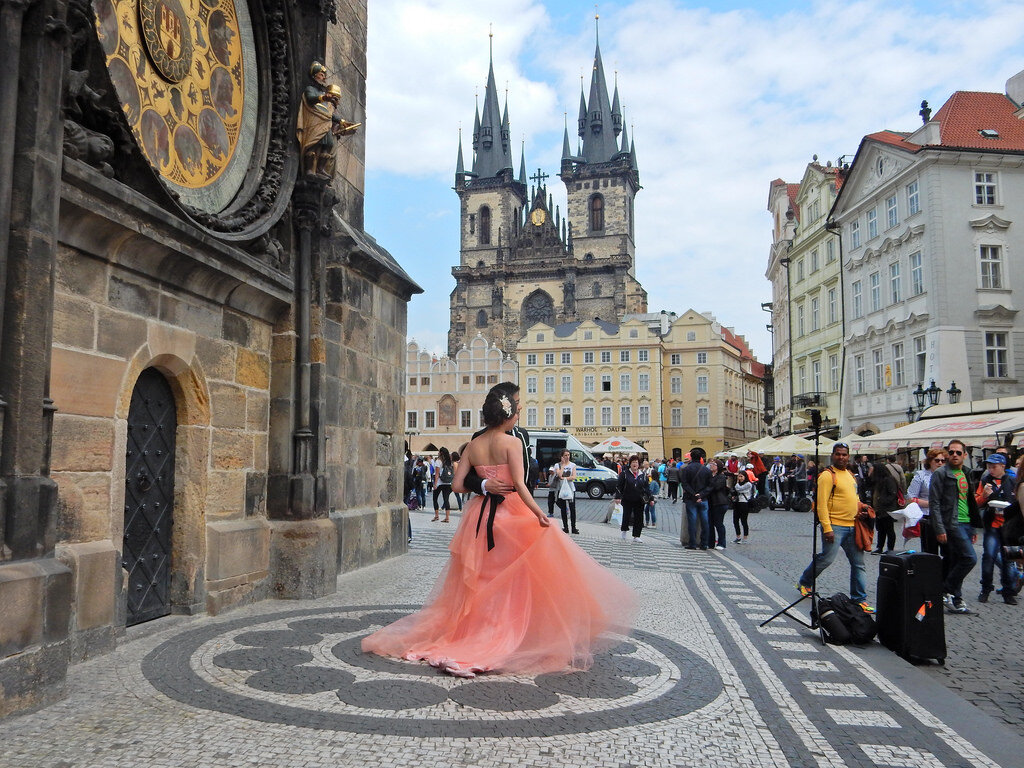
[{"x": 305, "y": 668}]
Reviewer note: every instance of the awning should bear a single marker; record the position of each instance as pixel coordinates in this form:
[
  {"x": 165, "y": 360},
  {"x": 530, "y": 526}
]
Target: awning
[{"x": 976, "y": 430}]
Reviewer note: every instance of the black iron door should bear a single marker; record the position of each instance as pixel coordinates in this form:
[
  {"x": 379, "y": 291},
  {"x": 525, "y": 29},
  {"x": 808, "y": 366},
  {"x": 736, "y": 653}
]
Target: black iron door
[{"x": 149, "y": 497}]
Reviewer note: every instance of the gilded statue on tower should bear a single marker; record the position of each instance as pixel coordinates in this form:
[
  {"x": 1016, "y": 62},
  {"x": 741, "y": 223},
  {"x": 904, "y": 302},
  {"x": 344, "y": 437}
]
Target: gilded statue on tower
[{"x": 320, "y": 125}]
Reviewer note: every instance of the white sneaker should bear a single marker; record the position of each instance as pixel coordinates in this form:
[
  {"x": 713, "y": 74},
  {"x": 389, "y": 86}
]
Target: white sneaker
[
  {"x": 720, "y": 549},
  {"x": 636, "y": 539},
  {"x": 625, "y": 535}
]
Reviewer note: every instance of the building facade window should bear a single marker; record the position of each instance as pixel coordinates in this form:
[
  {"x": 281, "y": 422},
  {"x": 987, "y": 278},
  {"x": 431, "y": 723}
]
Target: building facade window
[
  {"x": 531, "y": 359},
  {"x": 485, "y": 226},
  {"x": 566, "y": 385},
  {"x": 549, "y": 385},
  {"x": 588, "y": 416},
  {"x": 606, "y": 415},
  {"x": 815, "y": 313},
  {"x": 702, "y": 358},
  {"x": 703, "y": 415},
  {"x": 675, "y": 358},
  {"x": 596, "y": 213},
  {"x": 991, "y": 262},
  {"x": 429, "y": 419},
  {"x": 411, "y": 420},
  {"x": 996, "y": 358},
  {"x": 895, "y": 291},
  {"x": 702, "y": 385},
  {"x": 814, "y": 261},
  {"x": 800, "y": 320},
  {"x": 878, "y": 368},
  {"x": 644, "y": 415},
  {"x": 623, "y": 355},
  {"x": 531, "y": 416},
  {"x": 606, "y": 356},
  {"x": 675, "y": 385},
  {"x": 984, "y": 189},
  {"x": 799, "y": 270},
  {"x": 625, "y": 416},
  {"x": 567, "y": 358},
  {"x": 872, "y": 224},
  {"x": 830, "y": 251},
  {"x": 691, "y": 335},
  {"x": 875, "y": 283},
  {"x": 588, "y": 335},
  {"x": 531, "y": 385},
  {"x": 816, "y": 376},
  {"x": 833, "y": 305},
  {"x": 920, "y": 358},
  {"x": 899, "y": 377},
  {"x": 643, "y": 382},
  {"x": 588, "y": 382},
  {"x": 465, "y": 419},
  {"x": 549, "y": 358},
  {"x": 833, "y": 373},
  {"x": 625, "y": 382},
  {"x": 913, "y": 199},
  {"x": 566, "y": 416},
  {"x": 643, "y": 355},
  {"x": 588, "y": 357},
  {"x": 891, "y": 213},
  {"x": 676, "y": 417},
  {"x": 801, "y": 377},
  {"x": 916, "y": 274},
  {"x": 855, "y": 234},
  {"x": 857, "y": 305},
  {"x": 481, "y": 319},
  {"x": 549, "y": 416},
  {"x": 858, "y": 374},
  {"x": 606, "y": 382}
]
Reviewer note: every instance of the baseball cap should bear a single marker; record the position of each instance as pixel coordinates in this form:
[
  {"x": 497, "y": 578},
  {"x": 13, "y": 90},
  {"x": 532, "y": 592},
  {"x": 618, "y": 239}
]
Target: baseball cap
[
  {"x": 995, "y": 458},
  {"x": 749, "y": 466}
]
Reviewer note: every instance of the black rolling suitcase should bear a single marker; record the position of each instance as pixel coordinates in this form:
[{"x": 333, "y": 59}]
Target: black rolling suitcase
[{"x": 910, "y": 611}]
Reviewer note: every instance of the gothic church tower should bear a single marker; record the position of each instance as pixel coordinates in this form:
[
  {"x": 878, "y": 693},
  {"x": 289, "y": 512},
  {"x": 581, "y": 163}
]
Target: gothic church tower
[{"x": 521, "y": 261}]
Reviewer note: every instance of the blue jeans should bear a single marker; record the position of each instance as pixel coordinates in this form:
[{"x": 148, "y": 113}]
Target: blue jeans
[
  {"x": 695, "y": 509},
  {"x": 962, "y": 559},
  {"x": 991, "y": 557},
  {"x": 650, "y": 516},
  {"x": 846, "y": 540}
]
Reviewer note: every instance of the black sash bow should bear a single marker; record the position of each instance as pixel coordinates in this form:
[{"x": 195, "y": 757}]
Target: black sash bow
[{"x": 492, "y": 500}]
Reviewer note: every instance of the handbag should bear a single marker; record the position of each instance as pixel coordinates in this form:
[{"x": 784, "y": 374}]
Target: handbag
[{"x": 864, "y": 527}]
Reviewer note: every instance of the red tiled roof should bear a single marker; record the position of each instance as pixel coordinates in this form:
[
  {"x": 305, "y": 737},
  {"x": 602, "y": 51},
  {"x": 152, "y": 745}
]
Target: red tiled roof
[
  {"x": 966, "y": 113},
  {"x": 895, "y": 139},
  {"x": 792, "y": 190}
]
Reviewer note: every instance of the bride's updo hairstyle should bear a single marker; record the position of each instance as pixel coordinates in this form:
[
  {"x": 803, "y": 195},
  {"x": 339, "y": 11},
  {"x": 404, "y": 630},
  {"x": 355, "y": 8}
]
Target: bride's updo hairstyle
[{"x": 499, "y": 405}]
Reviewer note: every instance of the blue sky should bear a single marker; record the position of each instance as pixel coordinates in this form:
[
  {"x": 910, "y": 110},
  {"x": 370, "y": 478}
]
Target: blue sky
[{"x": 720, "y": 97}]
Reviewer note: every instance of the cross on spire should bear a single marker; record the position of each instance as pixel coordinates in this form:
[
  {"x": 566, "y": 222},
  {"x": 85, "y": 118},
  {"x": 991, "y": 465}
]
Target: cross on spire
[{"x": 540, "y": 177}]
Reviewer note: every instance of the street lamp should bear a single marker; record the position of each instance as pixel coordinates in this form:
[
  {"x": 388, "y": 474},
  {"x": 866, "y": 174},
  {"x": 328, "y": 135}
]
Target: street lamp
[
  {"x": 953, "y": 393},
  {"x": 919, "y": 394},
  {"x": 933, "y": 394},
  {"x": 911, "y": 413}
]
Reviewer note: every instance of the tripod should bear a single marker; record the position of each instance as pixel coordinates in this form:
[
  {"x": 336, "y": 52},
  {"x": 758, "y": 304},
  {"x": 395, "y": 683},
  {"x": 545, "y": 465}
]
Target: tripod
[{"x": 813, "y": 594}]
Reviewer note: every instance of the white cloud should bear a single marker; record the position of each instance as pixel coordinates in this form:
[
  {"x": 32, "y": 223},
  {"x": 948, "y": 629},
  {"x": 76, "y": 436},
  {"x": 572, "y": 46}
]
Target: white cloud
[{"x": 722, "y": 103}]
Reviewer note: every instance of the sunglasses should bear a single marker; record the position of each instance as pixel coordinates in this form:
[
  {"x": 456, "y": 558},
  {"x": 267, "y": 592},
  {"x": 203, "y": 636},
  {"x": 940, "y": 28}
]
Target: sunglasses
[
  {"x": 955, "y": 453},
  {"x": 938, "y": 461},
  {"x": 840, "y": 445}
]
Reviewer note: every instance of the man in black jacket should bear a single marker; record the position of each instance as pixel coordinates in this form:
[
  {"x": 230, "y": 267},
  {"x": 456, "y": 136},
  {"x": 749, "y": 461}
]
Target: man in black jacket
[
  {"x": 481, "y": 485},
  {"x": 694, "y": 480},
  {"x": 954, "y": 515}
]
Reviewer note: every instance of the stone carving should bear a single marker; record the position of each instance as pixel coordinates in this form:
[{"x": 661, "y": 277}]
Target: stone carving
[
  {"x": 569, "y": 292},
  {"x": 320, "y": 125},
  {"x": 88, "y": 146}
]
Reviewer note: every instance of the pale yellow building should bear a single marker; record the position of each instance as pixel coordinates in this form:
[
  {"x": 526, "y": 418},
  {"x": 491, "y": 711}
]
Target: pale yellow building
[{"x": 671, "y": 385}]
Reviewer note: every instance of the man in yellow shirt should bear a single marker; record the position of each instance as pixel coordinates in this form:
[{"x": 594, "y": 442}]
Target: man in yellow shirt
[{"x": 837, "y": 504}]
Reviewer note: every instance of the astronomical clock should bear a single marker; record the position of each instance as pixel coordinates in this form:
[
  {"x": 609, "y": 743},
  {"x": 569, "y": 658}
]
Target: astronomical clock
[{"x": 184, "y": 72}]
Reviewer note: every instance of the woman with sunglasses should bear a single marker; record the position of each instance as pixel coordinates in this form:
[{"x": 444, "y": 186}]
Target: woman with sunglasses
[{"x": 918, "y": 491}]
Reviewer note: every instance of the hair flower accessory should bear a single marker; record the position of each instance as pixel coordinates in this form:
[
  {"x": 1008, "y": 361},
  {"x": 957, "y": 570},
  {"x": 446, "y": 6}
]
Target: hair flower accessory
[{"x": 506, "y": 406}]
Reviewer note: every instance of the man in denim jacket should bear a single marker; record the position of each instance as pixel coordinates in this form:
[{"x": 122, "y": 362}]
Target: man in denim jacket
[{"x": 954, "y": 515}]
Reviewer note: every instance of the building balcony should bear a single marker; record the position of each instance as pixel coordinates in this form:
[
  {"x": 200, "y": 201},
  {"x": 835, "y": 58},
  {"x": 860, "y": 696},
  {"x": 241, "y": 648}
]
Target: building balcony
[{"x": 810, "y": 400}]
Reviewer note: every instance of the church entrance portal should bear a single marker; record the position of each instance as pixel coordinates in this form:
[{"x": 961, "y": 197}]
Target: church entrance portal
[{"x": 149, "y": 497}]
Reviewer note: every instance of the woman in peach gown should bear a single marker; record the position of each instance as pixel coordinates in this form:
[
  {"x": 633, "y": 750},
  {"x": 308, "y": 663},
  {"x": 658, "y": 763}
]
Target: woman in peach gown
[{"x": 517, "y": 594}]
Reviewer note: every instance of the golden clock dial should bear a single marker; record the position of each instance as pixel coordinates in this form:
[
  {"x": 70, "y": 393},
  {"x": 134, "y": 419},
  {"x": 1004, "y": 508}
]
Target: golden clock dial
[
  {"x": 538, "y": 216},
  {"x": 184, "y": 72}
]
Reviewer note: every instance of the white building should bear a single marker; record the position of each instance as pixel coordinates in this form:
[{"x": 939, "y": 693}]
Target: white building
[{"x": 932, "y": 264}]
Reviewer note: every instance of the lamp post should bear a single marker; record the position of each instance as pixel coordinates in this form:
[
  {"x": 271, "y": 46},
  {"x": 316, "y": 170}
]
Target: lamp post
[
  {"x": 953, "y": 393},
  {"x": 933, "y": 394},
  {"x": 911, "y": 414}
]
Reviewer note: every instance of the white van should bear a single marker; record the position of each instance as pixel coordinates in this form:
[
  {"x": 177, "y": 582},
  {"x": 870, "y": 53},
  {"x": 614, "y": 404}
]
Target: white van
[{"x": 592, "y": 477}]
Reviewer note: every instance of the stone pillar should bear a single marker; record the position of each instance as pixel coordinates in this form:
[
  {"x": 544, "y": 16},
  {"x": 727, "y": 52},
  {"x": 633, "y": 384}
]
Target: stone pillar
[
  {"x": 35, "y": 588},
  {"x": 303, "y": 542}
]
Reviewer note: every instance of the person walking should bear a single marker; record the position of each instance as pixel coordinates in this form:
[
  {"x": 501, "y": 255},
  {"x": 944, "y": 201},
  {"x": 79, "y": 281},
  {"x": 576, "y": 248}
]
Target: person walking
[
  {"x": 996, "y": 485},
  {"x": 954, "y": 514},
  {"x": 694, "y": 480},
  {"x": 445, "y": 472},
  {"x": 565, "y": 471},
  {"x": 672, "y": 475},
  {"x": 837, "y": 506},
  {"x": 918, "y": 492},
  {"x": 744, "y": 491},
  {"x": 650, "y": 514},
  {"x": 631, "y": 490},
  {"x": 718, "y": 504},
  {"x": 886, "y": 492}
]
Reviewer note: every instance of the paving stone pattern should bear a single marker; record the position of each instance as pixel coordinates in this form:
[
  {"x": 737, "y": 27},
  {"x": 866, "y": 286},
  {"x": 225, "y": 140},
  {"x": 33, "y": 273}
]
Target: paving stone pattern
[{"x": 284, "y": 684}]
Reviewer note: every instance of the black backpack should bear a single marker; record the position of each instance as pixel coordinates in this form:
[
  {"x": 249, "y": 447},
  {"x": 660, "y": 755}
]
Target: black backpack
[
  {"x": 844, "y": 621},
  {"x": 447, "y": 474}
]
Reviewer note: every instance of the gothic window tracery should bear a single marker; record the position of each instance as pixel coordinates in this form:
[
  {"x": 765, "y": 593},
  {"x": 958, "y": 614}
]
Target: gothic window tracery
[
  {"x": 538, "y": 307},
  {"x": 481, "y": 319}
]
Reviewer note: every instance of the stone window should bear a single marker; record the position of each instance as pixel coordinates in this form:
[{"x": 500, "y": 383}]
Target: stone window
[
  {"x": 596, "y": 290},
  {"x": 481, "y": 319},
  {"x": 485, "y": 226},
  {"x": 597, "y": 213},
  {"x": 996, "y": 350},
  {"x": 538, "y": 307}
]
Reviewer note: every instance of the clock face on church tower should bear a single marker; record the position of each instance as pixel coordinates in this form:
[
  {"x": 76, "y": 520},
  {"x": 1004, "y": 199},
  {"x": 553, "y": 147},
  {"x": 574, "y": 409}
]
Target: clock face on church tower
[{"x": 185, "y": 74}]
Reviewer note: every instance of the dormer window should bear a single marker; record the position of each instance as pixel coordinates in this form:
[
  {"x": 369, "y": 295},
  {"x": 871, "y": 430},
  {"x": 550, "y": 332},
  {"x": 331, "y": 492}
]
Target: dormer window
[{"x": 485, "y": 136}]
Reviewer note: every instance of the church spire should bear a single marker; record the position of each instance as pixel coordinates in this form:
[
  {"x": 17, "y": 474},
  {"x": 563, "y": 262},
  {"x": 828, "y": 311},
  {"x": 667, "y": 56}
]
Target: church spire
[
  {"x": 566, "y": 152},
  {"x": 624, "y": 149},
  {"x": 599, "y": 137},
  {"x": 582, "y": 120},
  {"x": 492, "y": 153},
  {"x": 522, "y": 164},
  {"x": 616, "y": 111},
  {"x": 460, "y": 167}
]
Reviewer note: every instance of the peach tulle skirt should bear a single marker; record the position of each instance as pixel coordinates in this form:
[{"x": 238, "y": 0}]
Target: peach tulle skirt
[{"x": 534, "y": 603}]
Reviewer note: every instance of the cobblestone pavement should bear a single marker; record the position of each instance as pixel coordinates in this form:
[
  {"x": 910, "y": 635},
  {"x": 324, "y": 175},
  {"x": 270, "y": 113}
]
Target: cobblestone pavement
[{"x": 698, "y": 682}]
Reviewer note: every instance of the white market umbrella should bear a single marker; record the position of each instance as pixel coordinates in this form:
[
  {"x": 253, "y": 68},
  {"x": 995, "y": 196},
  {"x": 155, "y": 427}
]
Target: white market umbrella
[
  {"x": 790, "y": 444},
  {"x": 618, "y": 445},
  {"x": 761, "y": 445}
]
